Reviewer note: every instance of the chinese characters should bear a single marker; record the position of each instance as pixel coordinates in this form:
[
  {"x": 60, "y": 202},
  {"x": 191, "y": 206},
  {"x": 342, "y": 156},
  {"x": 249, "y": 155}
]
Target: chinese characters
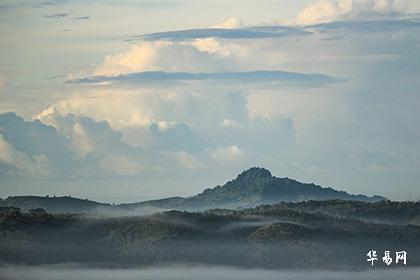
[{"x": 400, "y": 257}]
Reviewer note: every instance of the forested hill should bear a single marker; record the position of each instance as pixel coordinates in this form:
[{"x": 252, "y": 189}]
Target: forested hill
[{"x": 252, "y": 187}]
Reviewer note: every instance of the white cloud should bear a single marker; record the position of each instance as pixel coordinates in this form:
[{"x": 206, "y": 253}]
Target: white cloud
[
  {"x": 301, "y": 132},
  {"x": 125, "y": 109},
  {"x": 121, "y": 108},
  {"x": 228, "y": 123},
  {"x": 164, "y": 126},
  {"x": 227, "y": 154},
  {"x": 324, "y": 11},
  {"x": 86, "y": 135},
  {"x": 201, "y": 55},
  {"x": 230, "y": 23},
  {"x": 140, "y": 57},
  {"x": 212, "y": 46},
  {"x": 187, "y": 160},
  {"x": 77, "y": 146}
]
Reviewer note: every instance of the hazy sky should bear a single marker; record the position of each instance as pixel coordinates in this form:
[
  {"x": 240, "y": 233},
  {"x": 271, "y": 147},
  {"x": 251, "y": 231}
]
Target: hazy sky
[{"x": 130, "y": 100}]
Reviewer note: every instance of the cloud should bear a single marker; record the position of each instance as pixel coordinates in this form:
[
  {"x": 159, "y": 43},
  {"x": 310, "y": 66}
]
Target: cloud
[
  {"x": 30, "y": 146},
  {"x": 98, "y": 144},
  {"x": 147, "y": 131},
  {"x": 57, "y": 16},
  {"x": 139, "y": 58},
  {"x": 81, "y": 18},
  {"x": 324, "y": 11},
  {"x": 123, "y": 165},
  {"x": 187, "y": 160},
  {"x": 78, "y": 146},
  {"x": 162, "y": 56},
  {"x": 227, "y": 153},
  {"x": 228, "y": 123},
  {"x": 259, "y": 137},
  {"x": 212, "y": 46},
  {"x": 54, "y": 2},
  {"x": 372, "y": 26},
  {"x": 174, "y": 98},
  {"x": 74, "y": 146},
  {"x": 256, "y": 32},
  {"x": 230, "y": 23},
  {"x": 86, "y": 135},
  {"x": 173, "y": 136},
  {"x": 16, "y": 163},
  {"x": 267, "y": 77}
]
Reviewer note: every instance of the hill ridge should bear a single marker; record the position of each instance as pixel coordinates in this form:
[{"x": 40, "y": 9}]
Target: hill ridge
[{"x": 252, "y": 187}]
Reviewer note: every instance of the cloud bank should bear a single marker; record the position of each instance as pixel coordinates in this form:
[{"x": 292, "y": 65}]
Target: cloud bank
[{"x": 328, "y": 96}]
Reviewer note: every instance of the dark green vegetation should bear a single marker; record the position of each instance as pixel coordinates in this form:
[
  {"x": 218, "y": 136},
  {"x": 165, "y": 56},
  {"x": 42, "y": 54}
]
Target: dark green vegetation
[
  {"x": 316, "y": 234},
  {"x": 54, "y": 204},
  {"x": 255, "y": 220},
  {"x": 252, "y": 187}
]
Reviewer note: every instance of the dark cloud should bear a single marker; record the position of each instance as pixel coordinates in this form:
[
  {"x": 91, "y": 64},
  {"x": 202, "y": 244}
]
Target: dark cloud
[
  {"x": 81, "y": 18},
  {"x": 54, "y": 2},
  {"x": 57, "y": 16},
  {"x": 375, "y": 23},
  {"x": 373, "y": 26},
  {"x": 273, "y": 76},
  {"x": 240, "y": 33}
]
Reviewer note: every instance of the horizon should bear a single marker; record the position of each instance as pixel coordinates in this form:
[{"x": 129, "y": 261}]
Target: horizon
[
  {"x": 131, "y": 101},
  {"x": 116, "y": 203}
]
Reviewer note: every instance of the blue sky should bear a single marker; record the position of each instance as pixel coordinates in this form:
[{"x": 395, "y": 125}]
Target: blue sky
[{"x": 129, "y": 100}]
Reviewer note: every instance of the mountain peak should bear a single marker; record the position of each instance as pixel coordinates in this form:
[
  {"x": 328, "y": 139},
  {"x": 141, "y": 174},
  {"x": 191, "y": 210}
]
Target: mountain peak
[{"x": 254, "y": 173}]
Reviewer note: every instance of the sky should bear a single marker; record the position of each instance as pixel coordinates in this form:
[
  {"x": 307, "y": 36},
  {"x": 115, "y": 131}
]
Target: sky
[{"x": 122, "y": 101}]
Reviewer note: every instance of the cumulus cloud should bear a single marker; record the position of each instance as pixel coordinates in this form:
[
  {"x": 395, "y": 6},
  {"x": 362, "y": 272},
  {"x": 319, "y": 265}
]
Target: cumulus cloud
[
  {"x": 173, "y": 136},
  {"x": 227, "y": 153},
  {"x": 14, "y": 162},
  {"x": 212, "y": 46},
  {"x": 165, "y": 109},
  {"x": 208, "y": 98},
  {"x": 166, "y": 56},
  {"x": 228, "y": 123},
  {"x": 258, "y": 137},
  {"x": 324, "y": 11},
  {"x": 139, "y": 58},
  {"x": 121, "y": 108},
  {"x": 200, "y": 98},
  {"x": 230, "y": 23},
  {"x": 35, "y": 139},
  {"x": 159, "y": 131},
  {"x": 86, "y": 135},
  {"x": 76, "y": 146}
]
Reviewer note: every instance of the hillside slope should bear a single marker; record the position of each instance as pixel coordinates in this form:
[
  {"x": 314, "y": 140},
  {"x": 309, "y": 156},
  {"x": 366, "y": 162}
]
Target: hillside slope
[{"x": 253, "y": 187}]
